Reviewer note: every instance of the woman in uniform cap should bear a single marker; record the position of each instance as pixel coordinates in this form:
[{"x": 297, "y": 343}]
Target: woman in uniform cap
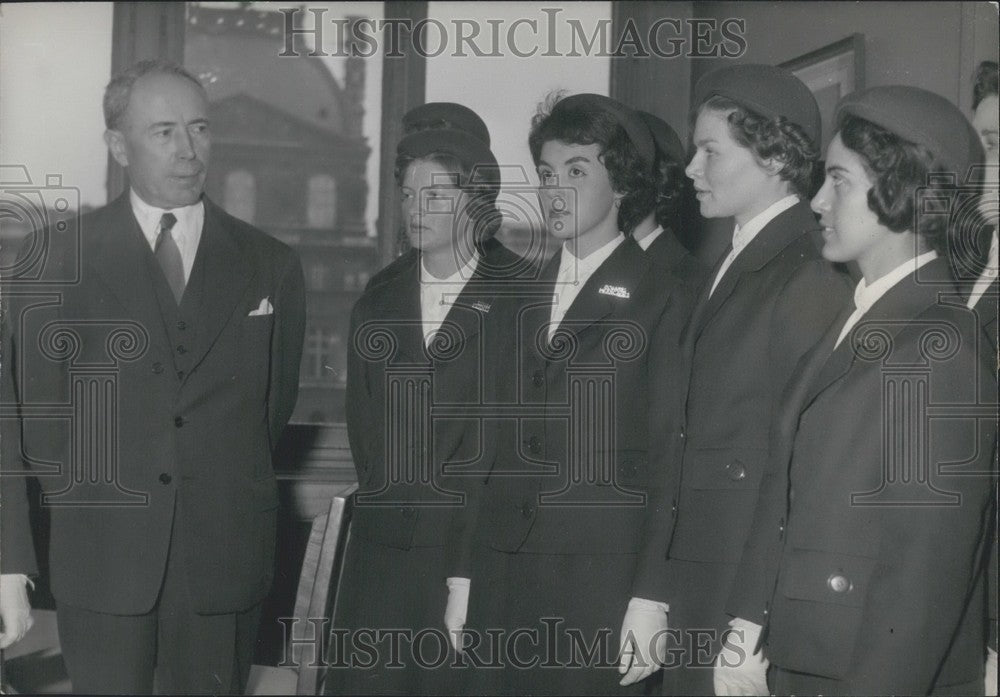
[
  {"x": 766, "y": 302},
  {"x": 559, "y": 525},
  {"x": 421, "y": 339},
  {"x": 865, "y": 559}
]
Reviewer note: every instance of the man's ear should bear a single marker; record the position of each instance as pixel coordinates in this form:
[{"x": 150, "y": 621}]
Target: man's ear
[{"x": 116, "y": 145}]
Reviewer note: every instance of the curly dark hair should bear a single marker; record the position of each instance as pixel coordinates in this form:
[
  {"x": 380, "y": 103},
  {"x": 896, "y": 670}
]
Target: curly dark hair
[
  {"x": 771, "y": 139},
  {"x": 905, "y": 193},
  {"x": 480, "y": 209},
  {"x": 670, "y": 182},
  {"x": 627, "y": 169},
  {"x": 985, "y": 82}
]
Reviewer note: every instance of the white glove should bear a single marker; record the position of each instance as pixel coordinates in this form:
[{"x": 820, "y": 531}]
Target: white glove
[
  {"x": 643, "y": 641},
  {"x": 991, "y": 673},
  {"x": 456, "y": 610},
  {"x": 738, "y": 671},
  {"x": 15, "y": 609}
]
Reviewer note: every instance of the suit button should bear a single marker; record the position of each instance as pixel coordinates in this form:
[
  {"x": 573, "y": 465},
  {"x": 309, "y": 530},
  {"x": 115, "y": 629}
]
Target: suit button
[
  {"x": 407, "y": 512},
  {"x": 180, "y": 374},
  {"x": 182, "y": 325},
  {"x": 683, "y": 432},
  {"x": 839, "y": 583},
  {"x": 537, "y": 378},
  {"x": 534, "y": 445},
  {"x": 181, "y": 350},
  {"x": 157, "y": 368},
  {"x": 736, "y": 471},
  {"x": 178, "y": 421},
  {"x": 673, "y": 508},
  {"x": 165, "y": 478},
  {"x": 527, "y": 511},
  {"x": 781, "y": 529}
]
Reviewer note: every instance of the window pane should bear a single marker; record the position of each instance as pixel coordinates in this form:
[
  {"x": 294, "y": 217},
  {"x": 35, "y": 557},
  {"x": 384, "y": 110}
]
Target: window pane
[{"x": 295, "y": 152}]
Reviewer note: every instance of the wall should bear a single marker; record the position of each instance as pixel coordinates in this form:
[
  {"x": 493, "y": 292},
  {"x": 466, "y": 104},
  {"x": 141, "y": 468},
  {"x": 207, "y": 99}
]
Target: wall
[{"x": 934, "y": 45}]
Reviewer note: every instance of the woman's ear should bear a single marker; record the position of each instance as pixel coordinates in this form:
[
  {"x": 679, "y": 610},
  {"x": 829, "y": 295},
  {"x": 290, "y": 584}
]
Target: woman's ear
[{"x": 772, "y": 166}]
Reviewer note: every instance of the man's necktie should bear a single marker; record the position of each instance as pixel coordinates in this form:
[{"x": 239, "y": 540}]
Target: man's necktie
[{"x": 169, "y": 256}]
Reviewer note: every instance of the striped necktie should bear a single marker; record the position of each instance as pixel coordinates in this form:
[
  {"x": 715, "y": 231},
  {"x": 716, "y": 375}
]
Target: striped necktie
[{"x": 169, "y": 255}]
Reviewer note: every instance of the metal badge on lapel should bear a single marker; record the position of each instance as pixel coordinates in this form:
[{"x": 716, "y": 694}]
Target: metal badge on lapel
[{"x": 617, "y": 291}]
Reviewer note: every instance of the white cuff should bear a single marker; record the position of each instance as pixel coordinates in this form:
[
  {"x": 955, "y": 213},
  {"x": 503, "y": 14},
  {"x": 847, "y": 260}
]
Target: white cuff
[
  {"x": 458, "y": 582},
  {"x": 651, "y": 605}
]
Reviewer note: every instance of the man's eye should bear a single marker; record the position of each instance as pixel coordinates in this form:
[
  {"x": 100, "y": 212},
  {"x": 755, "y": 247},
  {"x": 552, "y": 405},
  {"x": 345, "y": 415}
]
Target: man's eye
[{"x": 576, "y": 172}]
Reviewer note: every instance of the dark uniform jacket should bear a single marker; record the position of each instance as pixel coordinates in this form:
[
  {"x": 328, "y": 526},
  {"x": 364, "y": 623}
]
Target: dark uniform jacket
[
  {"x": 772, "y": 305},
  {"x": 865, "y": 559}
]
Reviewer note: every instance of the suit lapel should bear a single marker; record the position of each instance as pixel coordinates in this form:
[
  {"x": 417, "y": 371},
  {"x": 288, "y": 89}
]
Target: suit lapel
[
  {"x": 890, "y": 313},
  {"x": 780, "y": 232},
  {"x": 122, "y": 257},
  {"x": 219, "y": 278},
  {"x": 622, "y": 270},
  {"x": 400, "y": 307}
]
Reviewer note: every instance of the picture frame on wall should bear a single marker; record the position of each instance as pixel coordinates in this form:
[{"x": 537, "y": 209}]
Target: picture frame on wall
[{"x": 831, "y": 72}]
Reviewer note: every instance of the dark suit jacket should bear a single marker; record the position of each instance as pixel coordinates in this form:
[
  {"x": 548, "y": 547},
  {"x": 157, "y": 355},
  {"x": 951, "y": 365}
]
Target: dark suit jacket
[
  {"x": 772, "y": 305},
  {"x": 986, "y": 310},
  {"x": 572, "y": 470},
  {"x": 879, "y": 585},
  {"x": 415, "y": 415},
  {"x": 202, "y": 393}
]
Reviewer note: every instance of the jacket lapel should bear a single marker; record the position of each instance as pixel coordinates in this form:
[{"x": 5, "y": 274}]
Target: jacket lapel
[
  {"x": 219, "y": 278},
  {"x": 120, "y": 254},
  {"x": 399, "y": 303},
  {"x": 622, "y": 270},
  {"x": 890, "y": 313},
  {"x": 780, "y": 232}
]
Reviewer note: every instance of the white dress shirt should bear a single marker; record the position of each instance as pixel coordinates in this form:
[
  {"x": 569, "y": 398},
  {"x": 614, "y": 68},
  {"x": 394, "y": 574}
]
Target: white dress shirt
[
  {"x": 437, "y": 295},
  {"x": 186, "y": 231},
  {"x": 573, "y": 274},
  {"x": 867, "y": 295},
  {"x": 742, "y": 236},
  {"x": 988, "y": 275},
  {"x": 650, "y": 238}
]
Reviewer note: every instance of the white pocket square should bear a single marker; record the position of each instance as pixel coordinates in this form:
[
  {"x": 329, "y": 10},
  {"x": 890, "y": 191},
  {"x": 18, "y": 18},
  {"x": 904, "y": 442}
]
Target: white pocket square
[{"x": 265, "y": 308}]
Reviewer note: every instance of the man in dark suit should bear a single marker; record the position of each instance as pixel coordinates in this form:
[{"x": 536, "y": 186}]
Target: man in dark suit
[{"x": 170, "y": 346}]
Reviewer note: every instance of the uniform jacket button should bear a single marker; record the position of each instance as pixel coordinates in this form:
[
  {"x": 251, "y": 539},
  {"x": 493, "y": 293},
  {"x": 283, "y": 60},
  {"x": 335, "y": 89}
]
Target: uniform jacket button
[
  {"x": 181, "y": 325},
  {"x": 178, "y": 421},
  {"x": 407, "y": 512},
  {"x": 527, "y": 511},
  {"x": 157, "y": 368},
  {"x": 781, "y": 529},
  {"x": 673, "y": 508},
  {"x": 537, "y": 378},
  {"x": 165, "y": 478},
  {"x": 736, "y": 470},
  {"x": 839, "y": 583}
]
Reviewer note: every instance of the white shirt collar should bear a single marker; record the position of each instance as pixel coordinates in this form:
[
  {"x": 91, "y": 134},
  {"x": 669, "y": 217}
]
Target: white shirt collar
[
  {"x": 744, "y": 235},
  {"x": 646, "y": 241},
  {"x": 582, "y": 269},
  {"x": 189, "y": 219},
  {"x": 867, "y": 295}
]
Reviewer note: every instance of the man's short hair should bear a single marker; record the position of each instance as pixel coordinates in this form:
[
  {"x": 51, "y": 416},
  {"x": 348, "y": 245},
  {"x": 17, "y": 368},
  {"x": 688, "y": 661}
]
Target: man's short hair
[{"x": 119, "y": 90}]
